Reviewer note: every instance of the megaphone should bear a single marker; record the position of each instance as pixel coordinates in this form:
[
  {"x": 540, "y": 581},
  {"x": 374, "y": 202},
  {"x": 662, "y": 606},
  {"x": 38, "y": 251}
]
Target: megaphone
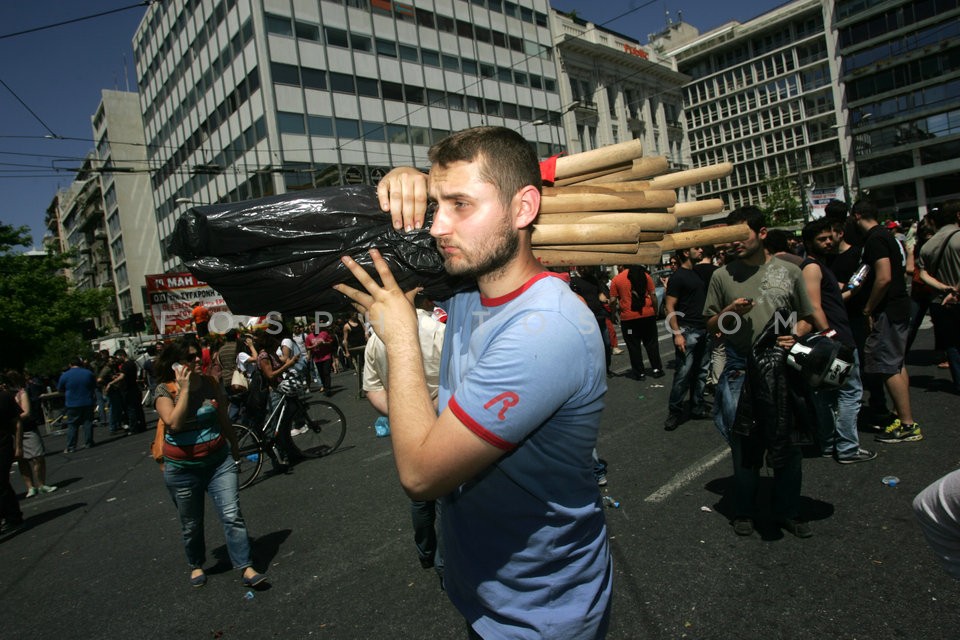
[{"x": 821, "y": 359}]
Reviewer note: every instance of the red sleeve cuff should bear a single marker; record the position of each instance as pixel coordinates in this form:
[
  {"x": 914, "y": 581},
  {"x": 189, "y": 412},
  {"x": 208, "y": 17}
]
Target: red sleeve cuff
[{"x": 479, "y": 430}]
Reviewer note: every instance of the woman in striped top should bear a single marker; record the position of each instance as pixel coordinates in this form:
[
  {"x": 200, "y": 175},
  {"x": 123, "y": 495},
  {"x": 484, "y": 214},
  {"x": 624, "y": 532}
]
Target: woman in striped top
[{"x": 198, "y": 443}]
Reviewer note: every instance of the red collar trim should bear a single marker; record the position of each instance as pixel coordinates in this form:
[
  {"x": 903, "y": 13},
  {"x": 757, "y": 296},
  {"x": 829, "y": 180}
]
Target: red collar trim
[{"x": 495, "y": 302}]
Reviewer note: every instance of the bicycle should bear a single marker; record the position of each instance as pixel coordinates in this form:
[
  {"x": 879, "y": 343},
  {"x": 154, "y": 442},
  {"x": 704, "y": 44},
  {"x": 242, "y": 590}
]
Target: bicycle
[{"x": 317, "y": 428}]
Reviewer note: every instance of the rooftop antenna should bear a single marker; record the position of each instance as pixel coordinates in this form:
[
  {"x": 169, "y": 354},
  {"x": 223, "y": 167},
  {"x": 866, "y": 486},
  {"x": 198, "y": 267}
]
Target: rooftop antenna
[
  {"x": 679, "y": 16},
  {"x": 667, "y": 12}
]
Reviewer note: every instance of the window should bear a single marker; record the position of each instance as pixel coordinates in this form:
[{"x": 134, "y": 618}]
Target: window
[
  {"x": 451, "y": 63},
  {"x": 408, "y": 53},
  {"x": 348, "y": 128},
  {"x": 342, "y": 83},
  {"x": 313, "y": 78},
  {"x": 307, "y": 31},
  {"x": 320, "y": 126},
  {"x": 290, "y": 122},
  {"x": 368, "y": 87},
  {"x": 280, "y": 25},
  {"x": 387, "y": 48},
  {"x": 375, "y": 131},
  {"x": 430, "y": 58},
  {"x": 285, "y": 73},
  {"x": 396, "y": 133},
  {"x": 336, "y": 37},
  {"x": 391, "y": 90},
  {"x": 360, "y": 43}
]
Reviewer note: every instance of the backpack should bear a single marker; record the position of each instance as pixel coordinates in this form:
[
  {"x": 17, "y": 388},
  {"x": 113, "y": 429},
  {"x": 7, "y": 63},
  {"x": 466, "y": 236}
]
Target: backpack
[{"x": 258, "y": 395}]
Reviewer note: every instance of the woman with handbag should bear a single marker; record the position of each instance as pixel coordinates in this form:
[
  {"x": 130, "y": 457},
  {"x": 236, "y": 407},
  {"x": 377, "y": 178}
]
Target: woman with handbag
[{"x": 199, "y": 453}]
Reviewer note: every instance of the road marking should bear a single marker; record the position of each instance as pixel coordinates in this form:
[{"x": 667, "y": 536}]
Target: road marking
[
  {"x": 688, "y": 475},
  {"x": 382, "y": 454}
]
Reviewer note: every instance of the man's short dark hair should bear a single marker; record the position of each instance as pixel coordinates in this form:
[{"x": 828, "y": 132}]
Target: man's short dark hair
[
  {"x": 836, "y": 211},
  {"x": 749, "y": 214},
  {"x": 76, "y": 361},
  {"x": 866, "y": 209},
  {"x": 506, "y": 160},
  {"x": 947, "y": 214},
  {"x": 709, "y": 250},
  {"x": 814, "y": 228},
  {"x": 120, "y": 353},
  {"x": 777, "y": 241}
]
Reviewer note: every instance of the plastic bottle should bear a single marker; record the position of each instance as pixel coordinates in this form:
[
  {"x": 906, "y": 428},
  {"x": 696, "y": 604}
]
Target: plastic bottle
[
  {"x": 610, "y": 501},
  {"x": 890, "y": 481},
  {"x": 248, "y": 595},
  {"x": 857, "y": 278}
]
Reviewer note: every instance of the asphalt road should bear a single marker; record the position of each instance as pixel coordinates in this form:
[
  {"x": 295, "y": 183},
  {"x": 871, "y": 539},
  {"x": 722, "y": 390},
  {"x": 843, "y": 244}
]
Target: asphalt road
[{"x": 101, "y": 557}]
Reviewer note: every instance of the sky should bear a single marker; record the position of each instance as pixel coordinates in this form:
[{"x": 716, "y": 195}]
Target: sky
[{"x": 52, "y": 79}]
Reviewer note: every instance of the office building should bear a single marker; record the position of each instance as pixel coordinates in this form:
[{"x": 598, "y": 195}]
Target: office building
[
  {"x": 242, "y": 98},
  {"x": 762, "y": 96},
  {"x": 901, "y": 80},
  {"x": 131, "y": 227}
]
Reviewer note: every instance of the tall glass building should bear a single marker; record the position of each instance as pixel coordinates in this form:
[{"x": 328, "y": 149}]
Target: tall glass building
[{"x": 901, "y": 76}]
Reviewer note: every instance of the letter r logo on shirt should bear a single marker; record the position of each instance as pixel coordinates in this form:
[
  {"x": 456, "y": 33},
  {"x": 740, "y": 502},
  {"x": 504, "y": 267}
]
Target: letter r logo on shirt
[{"x": 508, "y": 398}]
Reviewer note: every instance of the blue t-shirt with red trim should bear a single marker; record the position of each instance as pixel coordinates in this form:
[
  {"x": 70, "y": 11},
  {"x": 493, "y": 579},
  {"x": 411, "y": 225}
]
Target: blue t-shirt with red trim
[{"x": 525, "y": 542}]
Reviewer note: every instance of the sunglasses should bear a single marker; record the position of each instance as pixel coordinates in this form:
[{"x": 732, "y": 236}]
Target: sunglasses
[{"x": 191, "y": 356}]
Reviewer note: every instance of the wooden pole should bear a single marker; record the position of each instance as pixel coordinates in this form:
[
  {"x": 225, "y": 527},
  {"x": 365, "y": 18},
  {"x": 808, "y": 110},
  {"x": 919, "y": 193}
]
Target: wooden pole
[
  {"x": 645, "y": 254},
  {"x": 598, "y": 159},
  {"x": 624, "y": 247},
  {"x": 692, "y": 176},
  {"x": 646, "y": 221},
  {"x": 641, "y": 168},
  {"x": 584, "y": 233},
  {"x": 573, "y": 202},
  {"x": 589, "y": 176},
  {"x": 713, "y": 235},
  {"x": 698, "y": 208}
]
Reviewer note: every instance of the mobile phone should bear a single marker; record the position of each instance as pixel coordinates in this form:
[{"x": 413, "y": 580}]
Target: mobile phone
[
  {"x": 177, "y": 368},
  {"x": 749, "y": 300}
]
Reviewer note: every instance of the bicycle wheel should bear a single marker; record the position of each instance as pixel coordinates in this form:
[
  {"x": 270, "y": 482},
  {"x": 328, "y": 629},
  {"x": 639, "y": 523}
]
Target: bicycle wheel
[
  {"x": 319, "y": 429},
  {"x": 251, "y": 455}
]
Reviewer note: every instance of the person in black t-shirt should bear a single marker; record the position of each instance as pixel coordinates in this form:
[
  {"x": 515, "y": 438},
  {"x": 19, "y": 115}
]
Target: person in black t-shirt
[
  {"x": 835, "y": 409},
  {"x": 887, "y": 313},
  {"x": 130, "y": 390},
  {"x": 686, "y": 294}
]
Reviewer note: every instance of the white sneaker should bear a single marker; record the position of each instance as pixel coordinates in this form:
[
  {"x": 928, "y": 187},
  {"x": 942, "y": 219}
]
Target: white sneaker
[
  {"x": 32, "y": 491},
  {"x": 48, "y": 488},
  {"x": 296, "y": 432}
]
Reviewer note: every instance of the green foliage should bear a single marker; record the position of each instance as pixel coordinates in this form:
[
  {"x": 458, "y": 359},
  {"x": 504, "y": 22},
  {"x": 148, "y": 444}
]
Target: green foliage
[
  {"x": 40, "y": 308},
  {"x": 781, "y": 205}
]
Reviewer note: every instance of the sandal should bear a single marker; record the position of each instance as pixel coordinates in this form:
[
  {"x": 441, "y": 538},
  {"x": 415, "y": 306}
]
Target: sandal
[{"x": 198, "y": 581}]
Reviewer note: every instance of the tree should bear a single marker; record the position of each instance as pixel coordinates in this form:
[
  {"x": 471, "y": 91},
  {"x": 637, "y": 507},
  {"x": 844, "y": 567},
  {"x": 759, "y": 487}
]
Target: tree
[
  {"x": 781, "y": 205},
  {"x": 42, "y": 312}
]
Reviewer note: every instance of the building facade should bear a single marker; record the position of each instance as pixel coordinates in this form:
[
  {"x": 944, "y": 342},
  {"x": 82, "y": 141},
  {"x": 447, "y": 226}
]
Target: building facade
[
  {"x": 75, "y": 215},
  {"x": 131, "y": 227},
  {"x": 901, "y": 92},
  {"x": 246, "y": 98},
  {"x": 761, "y": 96},
  {"x": 614, "y": 89}
]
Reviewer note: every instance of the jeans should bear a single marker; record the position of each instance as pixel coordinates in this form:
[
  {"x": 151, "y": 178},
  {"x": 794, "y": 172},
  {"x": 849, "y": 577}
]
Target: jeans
[
  {"x": 187, "y": 487},
  {"x": 77, "y": 416},
  {"x": 118, "y": 410},
  {"x": 101, "y": 407},
  {"x": 836, "y": 412},
  {"x": 691, "y": 373},
  {"x": 786, "y": 484},
  {"x": 727, "y": 393}
]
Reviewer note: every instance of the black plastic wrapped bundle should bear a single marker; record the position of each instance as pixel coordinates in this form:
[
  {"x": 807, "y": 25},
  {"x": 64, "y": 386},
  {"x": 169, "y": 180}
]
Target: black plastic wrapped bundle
[{"x": 282, "y": 253}]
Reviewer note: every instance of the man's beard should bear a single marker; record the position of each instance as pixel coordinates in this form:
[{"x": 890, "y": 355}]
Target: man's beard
[{"x": 491, "y": 255}]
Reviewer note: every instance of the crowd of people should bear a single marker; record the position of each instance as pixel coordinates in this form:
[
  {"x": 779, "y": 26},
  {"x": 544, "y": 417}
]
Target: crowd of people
[{"x": 788, "y": 334}]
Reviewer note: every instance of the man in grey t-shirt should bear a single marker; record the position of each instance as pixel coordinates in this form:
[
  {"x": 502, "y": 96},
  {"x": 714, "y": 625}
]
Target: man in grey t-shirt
[
  {"x": 742, "y": 298},
  {"x": 940, "y": 268}
]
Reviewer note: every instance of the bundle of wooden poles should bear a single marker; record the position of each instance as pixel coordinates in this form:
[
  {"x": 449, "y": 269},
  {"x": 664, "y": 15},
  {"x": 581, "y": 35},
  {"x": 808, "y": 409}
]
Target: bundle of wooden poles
[{"x": 613, "y": 206}]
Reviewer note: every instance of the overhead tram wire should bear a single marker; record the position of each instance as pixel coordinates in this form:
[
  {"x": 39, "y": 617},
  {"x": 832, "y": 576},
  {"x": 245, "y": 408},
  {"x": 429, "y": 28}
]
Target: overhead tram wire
[{"x": 145, "y": 3}]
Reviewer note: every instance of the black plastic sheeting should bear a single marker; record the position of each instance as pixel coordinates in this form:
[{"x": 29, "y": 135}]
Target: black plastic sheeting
[{"x": 282, "y": 253}]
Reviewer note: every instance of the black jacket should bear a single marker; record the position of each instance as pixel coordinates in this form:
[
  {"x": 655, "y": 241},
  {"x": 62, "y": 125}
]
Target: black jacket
[{"x": 773, "y": 412}]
